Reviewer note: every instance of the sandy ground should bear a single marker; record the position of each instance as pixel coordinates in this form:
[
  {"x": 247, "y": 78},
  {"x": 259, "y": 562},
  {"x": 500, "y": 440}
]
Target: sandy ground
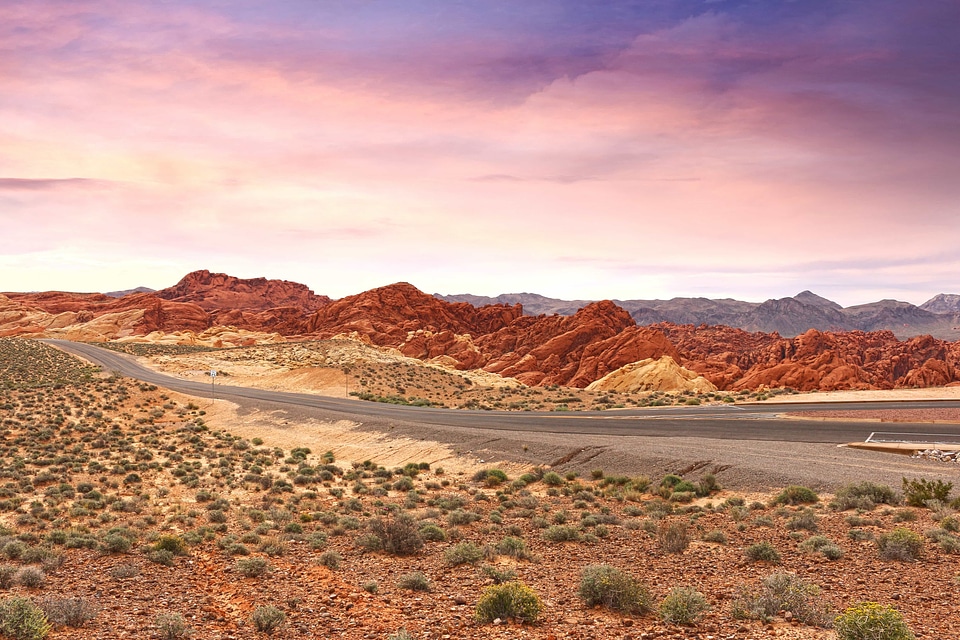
[{"x": 932, "y": 393}]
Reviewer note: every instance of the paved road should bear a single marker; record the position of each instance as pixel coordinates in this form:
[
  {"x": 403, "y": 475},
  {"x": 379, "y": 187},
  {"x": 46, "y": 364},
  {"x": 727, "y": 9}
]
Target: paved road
[{"x": 736, "y": 422}]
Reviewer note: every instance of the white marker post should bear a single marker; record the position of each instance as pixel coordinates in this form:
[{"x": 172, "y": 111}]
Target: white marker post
[{"x": 213, "y": 377}]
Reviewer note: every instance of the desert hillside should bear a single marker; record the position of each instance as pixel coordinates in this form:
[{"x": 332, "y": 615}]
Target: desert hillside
[{"x": 132, "y": 512}]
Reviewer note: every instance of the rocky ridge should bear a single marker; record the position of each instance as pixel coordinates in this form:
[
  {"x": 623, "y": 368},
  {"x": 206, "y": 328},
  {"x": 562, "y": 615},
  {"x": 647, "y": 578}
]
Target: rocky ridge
[{"x": 570, "y": 350}]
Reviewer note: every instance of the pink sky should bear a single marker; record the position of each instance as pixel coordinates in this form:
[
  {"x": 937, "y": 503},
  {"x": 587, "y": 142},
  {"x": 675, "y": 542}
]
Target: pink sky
[{"x": 675, "y": 149}]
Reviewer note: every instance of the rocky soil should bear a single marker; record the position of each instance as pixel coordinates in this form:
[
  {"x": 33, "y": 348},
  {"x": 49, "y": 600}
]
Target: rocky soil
[{"x": 104, "y": 475}]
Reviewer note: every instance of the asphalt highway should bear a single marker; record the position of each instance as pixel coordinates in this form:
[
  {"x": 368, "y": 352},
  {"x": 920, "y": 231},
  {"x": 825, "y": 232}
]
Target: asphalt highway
[{"x": 726, "y": 422}]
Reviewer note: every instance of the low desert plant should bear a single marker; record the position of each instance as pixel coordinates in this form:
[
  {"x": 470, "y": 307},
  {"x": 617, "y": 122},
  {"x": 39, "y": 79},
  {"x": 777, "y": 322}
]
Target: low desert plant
[
  {"x": 499, "y": 576},
  {"x": 173, "y": 544},
  {"x": 806, "y": 520},
  {"x": 330, "y": 559},
  {"x": 171, "y": 626},
  {"x": 783, "y": 592},
  {"x": 252, "y": 567},
  {"x": 715, "y": 535},
  {"x": 31, "y": 577},
  {"x": 683, "y": 605},
  {"x": 762, "y": 552},
  {"x": 463, "y": 553},
  {"x": 900, "y": 544},
  {"x": 68, "y": 612},
  {"x": 21, "y": 619},
  {"x": 796, "y": 494},
  {"x": 561, "y": 533},
  {"x": 400, "y": 534},
  {"x": 511, "y": 600},
  {"x": 865, "y": 496},
  {"x": 674, "y": 537},
  {"x": 872, "y": 621},
  {"x": 613, "y": 588},
  {"x": 414, "y": 581},
  {"x": 918, "y": 491},
  {"x": 267, "y": 619}
]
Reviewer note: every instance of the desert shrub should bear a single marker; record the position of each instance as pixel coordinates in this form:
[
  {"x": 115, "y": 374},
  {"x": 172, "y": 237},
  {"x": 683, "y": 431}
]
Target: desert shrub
[
  {"x": 432, "y": 533},
  {"x": 31, "y": 577},
  {"x": 707, "y": 484},
  {"x": 122, "y": 571},
  {"x": 900, "y": 544},
  {"x": 161, "y": 556},
  {"x": 171, "y": 626},
  {"x": 796, "y": 494},
  {"x": 172, "y": 543},
  {"x": 252, "y": 567},
  {"x": 806, "y": 519},
  {"x": 561, "y": 533},
  {"x": 460, "y": 517},
  {"x": 514, "y": 547},
  {"x": 401, "y": 634},
  {"x": 674, "y": 537},
  {"x": 267, "y": 619},
  {"x": 716, "y": 535},
  {"x": 762, "y": 552},
  {"x": 831, "y": 551},
  {"x": 683, "y": 606},
  {"x": 414, "y": 581},
  {"x": 463, "y": 553},
  {"x": 865, "y": 496},
  {"x": 330, "y": 559},
  {"x": 918, "y": 491},
  {"x": 783, "y": 592},
  {"x": 553, "y": 479},
  {"x": 872, "y": 621},
  {"x": 511, "y": 600},
  {"x": 400, "y": 534},
  {"x": 491, "y": 477},
  {"x": 612, "y": 588},
  {"x": 272, "y": 546},
  {"x": 21, "y": 619},
  {"x": 68, "y": 612},
  {"x": 499, "y": 576}
]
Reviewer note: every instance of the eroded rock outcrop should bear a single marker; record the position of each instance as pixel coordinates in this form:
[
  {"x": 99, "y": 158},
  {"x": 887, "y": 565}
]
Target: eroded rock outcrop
[
  {"x": 221, "y": 291},
  {"x": 663, "y": 374}
]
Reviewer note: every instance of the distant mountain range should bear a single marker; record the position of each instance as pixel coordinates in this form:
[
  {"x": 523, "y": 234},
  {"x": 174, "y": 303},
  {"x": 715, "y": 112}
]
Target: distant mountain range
[{"x": 939, "y": 316}]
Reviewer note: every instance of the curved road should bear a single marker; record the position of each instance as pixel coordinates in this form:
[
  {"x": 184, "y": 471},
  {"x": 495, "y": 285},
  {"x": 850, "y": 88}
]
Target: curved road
[{"x": 737, "y": 422}]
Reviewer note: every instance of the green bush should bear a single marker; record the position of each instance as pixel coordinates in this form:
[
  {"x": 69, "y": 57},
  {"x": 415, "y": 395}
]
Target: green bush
[
  {"x": 511, "y": 600},
  {"x": 762, "y": 552},
  {"x": 463, "y": 553},
  {"x": 806, "y": 519},
  {"x": 674, "y": 537},
  {"x": 68, "y": 612},
  {"x": 612, "y": 588},
  {"x": 918, "y": 491},
  {"x": 171, "y": 626},
  {"x": 553, "y": 479},
  {"x": 900, "y": 544},
  {"x": 683, "y": 606},
  {"x": 796, "y": 494},
  {"x": 252, "y": 567},
  {"x": 21, "y": 619},
  {"x": 561, "y": 533},
  {"x": 268, "y": 619},
  {"x": 400, "y": 535},
  {"x": 330, "y": 559},
  {"x": 865, "y": 496},
  {"x": 432, "y": 533},
  {"x": 414, "y": 581},
  {"x": 871, "y": 621},
  {"x": 783, "y": 592},
  {"x": 173, "y": 544}
]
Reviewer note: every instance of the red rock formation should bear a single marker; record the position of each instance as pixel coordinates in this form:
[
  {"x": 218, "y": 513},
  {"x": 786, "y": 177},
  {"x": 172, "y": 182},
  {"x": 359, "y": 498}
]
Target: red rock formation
[
  {"x": 387, "y": 315},
  {"x": 571, "y": 350},
  {"x": 733, "y": 359},
  {"x": 219, "y": 291}
]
